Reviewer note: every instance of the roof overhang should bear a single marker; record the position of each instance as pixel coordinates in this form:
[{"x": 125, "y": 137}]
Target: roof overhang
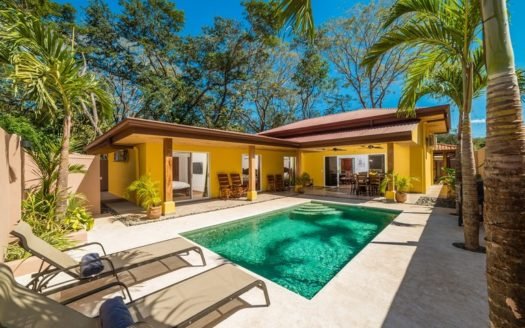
[{"x": 109, "y": 142}]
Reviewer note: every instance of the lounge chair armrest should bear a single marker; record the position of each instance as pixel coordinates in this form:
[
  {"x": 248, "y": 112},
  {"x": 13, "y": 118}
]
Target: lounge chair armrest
[
  {"x": 87, "y": 244},
  {"x": 99, "y": 289}
]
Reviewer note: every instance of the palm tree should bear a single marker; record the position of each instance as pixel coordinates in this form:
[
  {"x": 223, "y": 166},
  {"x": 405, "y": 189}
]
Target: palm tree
[
  {"x": 47, "y": 73},
  {"x": 505, "y": 173},
  {"x": 445, "y": 31}
]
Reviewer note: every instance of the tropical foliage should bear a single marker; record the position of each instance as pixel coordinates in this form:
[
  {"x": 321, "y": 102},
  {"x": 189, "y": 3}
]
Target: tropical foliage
[
  {"x": 449, "y": 62},
  {"x": 40, "y": 202},
  {"x": 146, "y": 192}
]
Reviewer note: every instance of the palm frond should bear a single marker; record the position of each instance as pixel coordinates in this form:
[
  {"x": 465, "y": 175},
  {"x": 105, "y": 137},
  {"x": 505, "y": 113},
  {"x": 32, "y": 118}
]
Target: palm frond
[
  {"x": 416, "y": 75},
  {"x": 405, "y": 7},
  {"x": 298, "y": 14},
  {"x": 415, "y": 34}
]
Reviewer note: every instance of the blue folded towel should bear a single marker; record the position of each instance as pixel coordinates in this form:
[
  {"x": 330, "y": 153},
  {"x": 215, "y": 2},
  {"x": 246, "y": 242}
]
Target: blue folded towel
[
  {"x": 115, "y": 314},
  {"x": 90, "y": 265}
]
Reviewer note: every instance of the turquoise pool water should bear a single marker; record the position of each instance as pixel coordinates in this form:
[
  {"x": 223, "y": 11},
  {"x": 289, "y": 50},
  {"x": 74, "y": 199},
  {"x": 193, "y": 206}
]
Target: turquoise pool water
[{"x": 301, "y": 248}]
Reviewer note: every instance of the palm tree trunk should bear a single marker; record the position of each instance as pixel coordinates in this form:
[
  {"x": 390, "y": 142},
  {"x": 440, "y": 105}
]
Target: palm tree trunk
[
  {"x": 63, "y": 169},
  {"x": 457, "y": 166},
  {"x": 505, "y": 174},
  {"x": 468, "y": 171}
]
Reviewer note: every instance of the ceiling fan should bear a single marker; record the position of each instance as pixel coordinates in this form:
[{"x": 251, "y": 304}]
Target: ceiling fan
[
  {"x": 334, "y": 149},
  {"x": 372, "y": 147}
]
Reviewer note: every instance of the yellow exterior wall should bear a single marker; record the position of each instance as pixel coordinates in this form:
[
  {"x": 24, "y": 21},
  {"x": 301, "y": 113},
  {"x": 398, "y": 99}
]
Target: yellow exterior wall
[
  {"x": 410, "y": 159},
  {"x": 121, "y": 174},
  {"x": 229, "y": 160},
  {"x": 402, "y": 159}
]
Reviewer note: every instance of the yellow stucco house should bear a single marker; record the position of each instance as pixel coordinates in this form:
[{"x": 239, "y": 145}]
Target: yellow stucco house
[{"x": 185, "y": 160}]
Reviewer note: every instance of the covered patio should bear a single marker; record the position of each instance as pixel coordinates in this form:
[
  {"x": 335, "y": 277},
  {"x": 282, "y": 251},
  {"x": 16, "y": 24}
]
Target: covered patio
[{"x": 186, "y": 161}]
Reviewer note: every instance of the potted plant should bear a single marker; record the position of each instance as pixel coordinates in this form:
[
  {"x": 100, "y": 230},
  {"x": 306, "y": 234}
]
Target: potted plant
[
  {"x": 147, "y": 194},
  {"x": 402, "y": 185},
  {"x": 302, "y": 181},
  {"x": 448, "y": 179}
]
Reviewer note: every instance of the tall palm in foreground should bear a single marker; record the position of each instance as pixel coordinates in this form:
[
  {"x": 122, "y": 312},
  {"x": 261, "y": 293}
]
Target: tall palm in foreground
[
  {"x": 505, "y": 174},
  {"x": 46, "y": 72},
  {"x": 445, "y": 31}
]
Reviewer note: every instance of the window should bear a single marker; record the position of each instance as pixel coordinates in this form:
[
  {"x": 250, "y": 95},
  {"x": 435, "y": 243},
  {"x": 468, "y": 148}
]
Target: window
[
  {"x": 120, "y": 155},
  {"x": 376, "y": 163}
]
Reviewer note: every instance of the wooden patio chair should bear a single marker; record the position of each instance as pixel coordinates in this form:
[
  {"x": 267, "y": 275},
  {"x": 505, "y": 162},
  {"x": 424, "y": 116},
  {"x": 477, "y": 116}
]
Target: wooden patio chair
[
  {"x": 362, "y": 183},
  {"x": 238, "y": 188},
  {"x": 271, "y": 182},
  {"x": 225, "y": 189},
  {"x": 279, "y": 183},
  {"x": 375, "y": 182}
]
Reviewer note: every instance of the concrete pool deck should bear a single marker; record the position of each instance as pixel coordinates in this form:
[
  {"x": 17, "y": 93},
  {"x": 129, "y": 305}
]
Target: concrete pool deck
[{"x": 408, "y": 276}]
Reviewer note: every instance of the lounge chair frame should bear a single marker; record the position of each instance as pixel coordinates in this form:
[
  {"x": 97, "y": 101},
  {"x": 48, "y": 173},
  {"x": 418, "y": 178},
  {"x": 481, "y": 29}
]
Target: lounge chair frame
[
  {"x": 45, "y": 274},
  {"x": 256, "y": 283}
]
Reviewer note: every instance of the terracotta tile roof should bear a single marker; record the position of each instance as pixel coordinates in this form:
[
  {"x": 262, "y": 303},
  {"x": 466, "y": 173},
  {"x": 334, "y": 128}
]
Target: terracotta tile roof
[
  {"x": 442, "y": 147},
  {"x": 352, "y": 119},
  {"x": 368, "y": 135},
  {"x": 328, "y": 119}
]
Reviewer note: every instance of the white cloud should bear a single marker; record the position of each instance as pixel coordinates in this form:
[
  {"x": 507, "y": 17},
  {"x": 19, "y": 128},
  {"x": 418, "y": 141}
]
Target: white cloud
[{"x": 479, "y": 121}]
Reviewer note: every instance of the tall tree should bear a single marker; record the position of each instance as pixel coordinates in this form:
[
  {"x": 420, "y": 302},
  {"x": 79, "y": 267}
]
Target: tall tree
[
  {"x": 48, "y": 75},
  {"x": 445, "y": 31},
  {"x": 346, "y": 41},
  {"x": 312, "y": 82},
  {"x": 505, "y": 173}
]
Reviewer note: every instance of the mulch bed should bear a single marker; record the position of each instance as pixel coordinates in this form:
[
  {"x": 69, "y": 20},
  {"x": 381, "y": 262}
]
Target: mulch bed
[{"x": 436, "y": 201}]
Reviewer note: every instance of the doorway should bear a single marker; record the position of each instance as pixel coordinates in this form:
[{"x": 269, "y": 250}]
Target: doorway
[
  {"x": 289, "y": 170},
  {"x": 330, "y": 172},
  {"x": 190, "y": 176}
]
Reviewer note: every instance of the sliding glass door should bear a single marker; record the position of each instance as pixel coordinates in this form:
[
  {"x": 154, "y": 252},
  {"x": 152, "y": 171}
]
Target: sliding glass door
[
  {"x": 190, "y": 176},
  {"x": 289, "y": 167},
  {"x": 330, "y": 171}
]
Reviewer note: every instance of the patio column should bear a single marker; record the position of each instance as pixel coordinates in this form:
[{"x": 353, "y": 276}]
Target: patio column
[
  {"x": 299, "y": 166},
  {"x": 390, "y": 193},
  {"x": 252, "y": 184},
  {"x": 168, "y": 205}
]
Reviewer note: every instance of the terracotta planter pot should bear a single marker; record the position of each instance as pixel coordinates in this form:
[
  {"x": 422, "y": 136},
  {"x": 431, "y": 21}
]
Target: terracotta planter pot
[
  {"x": 401, "y": 197},
  {"x": 154, "y": 212}
]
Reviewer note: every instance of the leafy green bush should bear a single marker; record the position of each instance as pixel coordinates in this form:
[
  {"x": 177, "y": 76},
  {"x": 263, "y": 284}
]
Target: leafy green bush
[
  {"x": 449, "y": 178},
  {"x": 38, "y": 207},
  {"x": 146, "y": 191}
]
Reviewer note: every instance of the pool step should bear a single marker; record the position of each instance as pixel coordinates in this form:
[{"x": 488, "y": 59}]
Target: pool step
[{"x": 311, "y": 210}]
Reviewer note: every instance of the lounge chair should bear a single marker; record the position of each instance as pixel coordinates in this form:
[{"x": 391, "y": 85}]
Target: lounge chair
[
  {"x": 61, "y": 262},
  {"x": 178, "y": 305},
  {"x": 238, "y": 188},
  {"x": 225, "y": 189}
]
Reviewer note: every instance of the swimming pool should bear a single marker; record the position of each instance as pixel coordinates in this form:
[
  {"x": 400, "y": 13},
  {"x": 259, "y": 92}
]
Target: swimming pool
[{"x": 300, "y": 248}]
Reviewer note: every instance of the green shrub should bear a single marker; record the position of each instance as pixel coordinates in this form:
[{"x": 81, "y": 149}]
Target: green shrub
[
  {"x": 146, "y": 191},
  {"x": 38, "y": 207}
]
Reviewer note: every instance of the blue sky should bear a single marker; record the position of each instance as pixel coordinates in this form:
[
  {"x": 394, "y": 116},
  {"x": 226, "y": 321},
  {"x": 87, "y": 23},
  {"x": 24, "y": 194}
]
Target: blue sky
[{"x": 199, "y": 13}]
